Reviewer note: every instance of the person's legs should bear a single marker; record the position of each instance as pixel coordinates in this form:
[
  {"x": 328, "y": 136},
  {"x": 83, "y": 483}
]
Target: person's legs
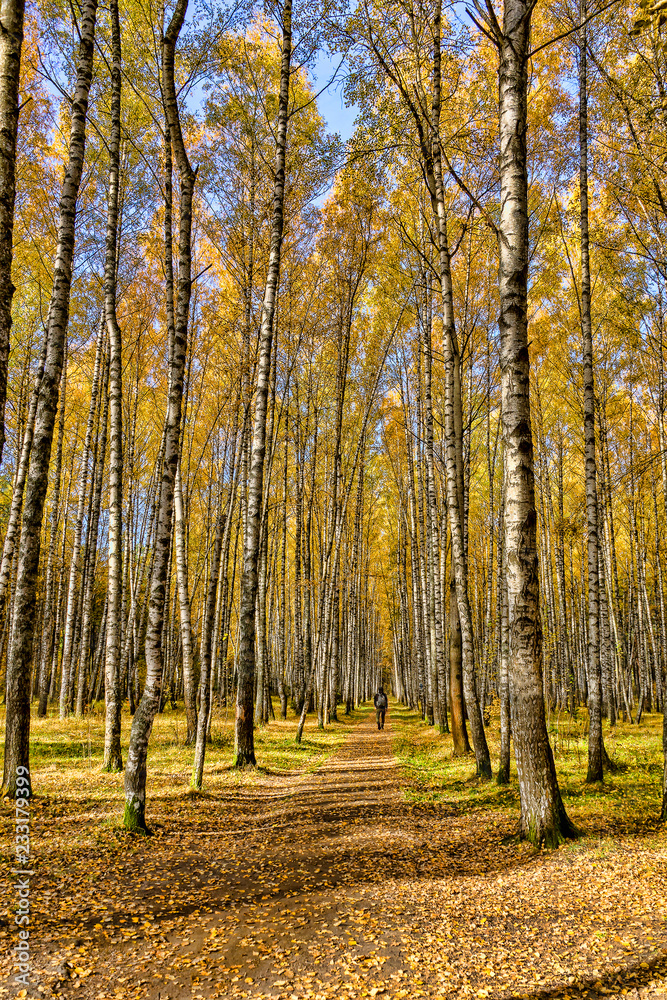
[
  {"x": 382, "y": 713},
  {"x": 378, "y": 714}
]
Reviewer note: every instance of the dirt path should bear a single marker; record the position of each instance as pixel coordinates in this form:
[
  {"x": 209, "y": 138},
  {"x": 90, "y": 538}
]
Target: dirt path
[
  {"x": 335, "y": 886},
  {"x": 267, "y": 906}
]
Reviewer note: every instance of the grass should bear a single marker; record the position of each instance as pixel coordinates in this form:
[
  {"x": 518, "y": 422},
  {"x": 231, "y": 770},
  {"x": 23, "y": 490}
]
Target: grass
[
  {"x": 68, "y": 782},
  {"x": 628, "y": 801},
  {"x": 252, "y": 836},
  {"x": 79, "y": 743}
]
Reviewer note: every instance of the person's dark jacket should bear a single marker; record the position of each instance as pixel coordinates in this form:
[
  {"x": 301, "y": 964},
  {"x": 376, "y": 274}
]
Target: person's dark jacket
[{"x": 380, "y": 700}]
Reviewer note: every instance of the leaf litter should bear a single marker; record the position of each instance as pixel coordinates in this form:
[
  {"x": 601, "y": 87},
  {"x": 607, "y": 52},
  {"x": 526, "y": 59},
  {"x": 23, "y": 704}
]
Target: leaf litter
[{"x": 334, "y": 884}]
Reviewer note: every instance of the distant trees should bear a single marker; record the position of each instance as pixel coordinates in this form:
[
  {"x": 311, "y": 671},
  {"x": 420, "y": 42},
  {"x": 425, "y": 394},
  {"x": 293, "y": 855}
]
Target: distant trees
[{"x": 323, "y": 419}]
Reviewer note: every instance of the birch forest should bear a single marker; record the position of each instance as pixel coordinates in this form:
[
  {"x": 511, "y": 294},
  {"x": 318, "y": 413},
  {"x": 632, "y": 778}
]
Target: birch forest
[{"x": 332, "y": 359}]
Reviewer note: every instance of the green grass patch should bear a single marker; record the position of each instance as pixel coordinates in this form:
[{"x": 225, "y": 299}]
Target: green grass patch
[
  {"x": 66, "y": 758},
  {"x": 628, "y": 800}
]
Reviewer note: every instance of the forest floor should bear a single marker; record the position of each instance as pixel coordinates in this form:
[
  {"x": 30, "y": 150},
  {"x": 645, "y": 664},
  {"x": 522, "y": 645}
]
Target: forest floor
[{"x": 362, "y": 863}]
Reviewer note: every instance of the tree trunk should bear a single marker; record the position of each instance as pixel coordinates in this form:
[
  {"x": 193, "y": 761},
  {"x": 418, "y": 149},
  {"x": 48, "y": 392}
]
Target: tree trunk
[
  {"x": 135, "y": 770},
  {"x": 461, "y": 743},
  {"x": 454, "y": 477},
  {"x": 503, "y": 679},
  {"x": 415, "y": 559},
  {"x": 454, "y": 435},
  {"x": 205, "y": 672},
  {"x": 20, "y": 661},
  {"x": 245, "y": 744},
  {"x": 263, "y": 671},
  {"x": 595, "y": 745},
  {"x": 91, "y": 549},
  {"x": 73, "y": 590},
  {"x": 543, "y": 817},
  {"x": 18, "y": 488},
  {"x": 48, "y": 625},
  {"x": 189, "y": 691},
  {"x": 282, "y": 658},
  {"x": 429, "y": 663},
  {"x": 432, "y": 524},
  {"x": 11, "y": 41},
  {"x": 113, "y": 758}
]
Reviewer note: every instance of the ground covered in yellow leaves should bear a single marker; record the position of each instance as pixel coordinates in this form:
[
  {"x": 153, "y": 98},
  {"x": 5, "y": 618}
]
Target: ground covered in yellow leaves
[{"x": 363, "y": 863}]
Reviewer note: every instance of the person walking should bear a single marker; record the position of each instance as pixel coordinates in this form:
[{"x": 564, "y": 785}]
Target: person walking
[{"x": 380, "y": 702}]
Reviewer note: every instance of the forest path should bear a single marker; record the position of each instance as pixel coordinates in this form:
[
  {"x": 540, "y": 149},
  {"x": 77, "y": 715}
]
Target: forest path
[{"x": 332, "y": 884}]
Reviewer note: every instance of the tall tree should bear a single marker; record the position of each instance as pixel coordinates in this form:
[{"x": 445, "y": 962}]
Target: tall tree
[
  {"x": 595, "y": 744},
  {"x": 25, "y": 600},
  {"x": 543, "y": 818},
  {"x": 11, "y": 43},
  {"x": 113, "y": 760},
  {"x": 142, "y": 724},
  {"x": 245, "y": 744}
]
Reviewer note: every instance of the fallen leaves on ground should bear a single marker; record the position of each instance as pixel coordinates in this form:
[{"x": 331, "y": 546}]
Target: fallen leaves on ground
[{"x": 334, "y": 884}]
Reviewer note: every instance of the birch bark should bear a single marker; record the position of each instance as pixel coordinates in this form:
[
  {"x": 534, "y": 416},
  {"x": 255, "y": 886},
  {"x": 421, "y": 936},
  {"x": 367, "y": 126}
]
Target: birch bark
[
  {"x": 543, "y": 817},
  {"x": 90, "y": 556},
  {"x": 189, "y": 693},
  {"x": 11, "y": 42},
  {"x": 205, "y": 673},
  {"x": 113, "y": 760},
  {"x": 503, "y": 656},
  {"x": 142, "y": 724},
  {"x": 454, "y": 431},
  {"x": 18, "y": 490},
  {"x": 595, "y": 744},
  {"x": 25, "y": 601},
  {"x": 245, "y": 744},
  {"x": 48, "y": 625}
]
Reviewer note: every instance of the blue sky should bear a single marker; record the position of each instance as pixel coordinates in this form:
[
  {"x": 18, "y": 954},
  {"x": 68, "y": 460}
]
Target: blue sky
[{"x": 331, "y": 103}]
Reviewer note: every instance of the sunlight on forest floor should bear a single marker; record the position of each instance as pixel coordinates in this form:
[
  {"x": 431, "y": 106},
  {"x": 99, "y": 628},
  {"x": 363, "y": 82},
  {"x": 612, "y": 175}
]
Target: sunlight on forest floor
[
  {"x": 627, "y": 802},
  {"x": 355, "y": 864},
  {"x": 66, "y": 763}
]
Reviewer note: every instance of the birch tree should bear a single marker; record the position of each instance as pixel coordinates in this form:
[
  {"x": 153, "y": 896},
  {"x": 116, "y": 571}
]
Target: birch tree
[
  {"x": 595, "y": 744},
  {"x": 113, "y": 760},
  {"x": 20, "y": 655},
  {"x": 11, "y": 42},
  {"x": 245, "y": 745},
  {"x": 135, "y": 768},
  {"x": 543, "y": 818}
]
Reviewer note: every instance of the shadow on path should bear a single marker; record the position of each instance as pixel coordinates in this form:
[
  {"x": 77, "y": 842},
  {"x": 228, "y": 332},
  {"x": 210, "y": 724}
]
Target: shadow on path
[{"x": 333, "y": 882}]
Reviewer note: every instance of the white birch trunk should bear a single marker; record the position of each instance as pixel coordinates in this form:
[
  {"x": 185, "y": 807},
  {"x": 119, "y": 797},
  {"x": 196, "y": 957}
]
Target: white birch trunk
[
  {"x": 19, "y": 666},
  {"x": 543, "y": 817},
  {"x": 142, "y": 724},
  {"x": 11, "y": 42},
  {"x": 113, "y": 759}
]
